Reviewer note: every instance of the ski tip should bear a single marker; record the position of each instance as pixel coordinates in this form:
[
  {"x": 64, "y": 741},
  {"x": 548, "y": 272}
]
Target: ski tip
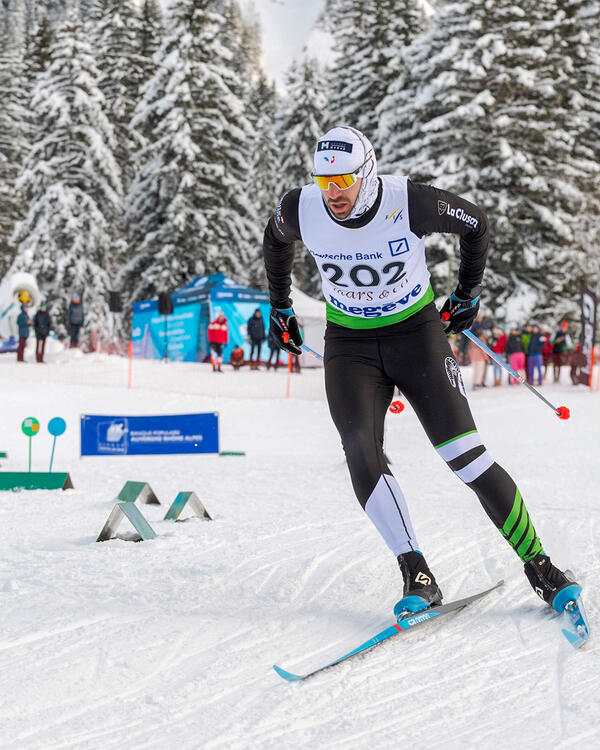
[
  {"x": 575, "y": 640},
  {"x": 289, "y": 676}
]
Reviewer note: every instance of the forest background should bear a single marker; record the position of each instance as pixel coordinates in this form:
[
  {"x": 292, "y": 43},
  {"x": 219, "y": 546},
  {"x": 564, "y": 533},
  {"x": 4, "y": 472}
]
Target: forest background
[{"x": 141, "y": 146}]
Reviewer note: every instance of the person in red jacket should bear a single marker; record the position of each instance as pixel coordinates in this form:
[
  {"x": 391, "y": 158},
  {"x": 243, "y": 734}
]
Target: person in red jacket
[{"x": 217, "y": 338}]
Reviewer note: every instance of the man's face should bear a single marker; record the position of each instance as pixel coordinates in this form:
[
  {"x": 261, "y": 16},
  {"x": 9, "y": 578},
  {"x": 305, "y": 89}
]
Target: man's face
[{"x": 341, "y": 202}]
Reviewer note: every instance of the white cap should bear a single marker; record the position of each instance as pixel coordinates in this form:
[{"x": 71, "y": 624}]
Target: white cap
[{"x": 341, "y": 150}]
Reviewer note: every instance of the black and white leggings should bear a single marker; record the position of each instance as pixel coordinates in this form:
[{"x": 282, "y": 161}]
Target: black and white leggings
[{"x": 362, "y": 366}]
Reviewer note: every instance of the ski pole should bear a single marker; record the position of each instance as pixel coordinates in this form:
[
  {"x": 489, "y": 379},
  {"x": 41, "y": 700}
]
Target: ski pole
[
  {"x": 286, "y": 337},
  {"x": 307, "y": 349},
  {"x": 562, "y": 412}
]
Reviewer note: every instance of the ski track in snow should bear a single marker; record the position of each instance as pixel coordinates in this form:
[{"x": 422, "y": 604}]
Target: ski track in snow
[{"x": 169, "y": 643}]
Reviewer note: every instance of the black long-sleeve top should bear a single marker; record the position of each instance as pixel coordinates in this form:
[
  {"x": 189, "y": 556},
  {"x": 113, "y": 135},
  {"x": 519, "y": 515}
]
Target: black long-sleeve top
[{"x": 427, "y": 215}]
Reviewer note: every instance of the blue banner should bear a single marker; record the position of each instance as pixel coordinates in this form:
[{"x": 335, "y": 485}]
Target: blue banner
[
  {"x": 176, "y": 335},
  {"x": 103, "y": 435}
]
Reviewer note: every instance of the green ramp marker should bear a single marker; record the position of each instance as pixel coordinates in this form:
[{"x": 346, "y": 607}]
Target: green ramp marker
[
  {"x": 35, "y": 480},
  {"x": 138, "y": 522},
  {"x": 141, "y": 491},
  {"x": 183, "y": 499},
  {"x": 30, "y": 427},
  {"x": 3, "y": 454},
  {"x": 232, "y": 453}
]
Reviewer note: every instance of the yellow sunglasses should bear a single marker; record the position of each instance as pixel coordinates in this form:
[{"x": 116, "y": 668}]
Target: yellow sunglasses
[{"x": 342, "y": 181}]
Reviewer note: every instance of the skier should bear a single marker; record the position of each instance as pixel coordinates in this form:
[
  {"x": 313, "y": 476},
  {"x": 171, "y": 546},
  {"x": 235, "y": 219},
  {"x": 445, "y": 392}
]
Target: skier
[{"x": 366, "y": 233}]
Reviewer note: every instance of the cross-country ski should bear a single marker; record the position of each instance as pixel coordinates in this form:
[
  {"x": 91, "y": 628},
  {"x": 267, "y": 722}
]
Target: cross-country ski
[{"x": 403, "y": 624}]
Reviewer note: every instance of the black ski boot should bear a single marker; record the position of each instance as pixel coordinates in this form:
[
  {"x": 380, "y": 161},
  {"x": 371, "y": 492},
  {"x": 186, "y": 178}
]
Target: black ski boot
[
  {"x": 420, "y": 589},
  {"x": 548, "y": 581}
]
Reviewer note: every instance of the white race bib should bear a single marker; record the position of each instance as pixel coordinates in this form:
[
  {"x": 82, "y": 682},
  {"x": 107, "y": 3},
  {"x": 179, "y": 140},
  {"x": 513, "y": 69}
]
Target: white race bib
[{"x": 373, "y": 271}]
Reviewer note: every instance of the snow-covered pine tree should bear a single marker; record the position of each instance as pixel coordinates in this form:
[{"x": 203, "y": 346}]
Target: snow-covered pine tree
[
  {"x": 189, "y": 206},
  {"x": 150, "y": 32},
  {"x": 92, "y": 20},
  {"x": 233, "y": 218},
  {"x": 38, "y": 49},
  {"x": 120, "y": 77},
  {"x": 580, "y": 35},
  {"x": 535, "y": 188},
  {"x": 301, "y": 120},
  {"x": 484, "y": 110},
  {"x": 369, "y": 37},
  {"x": 13, "y": 127},
  {"x": 170, "y": 198},
  {"x": 252, "y": 41},
  {"x": 71, "y": 183},
  {"x": 434, "y": 122},
  {"x": 265, "y": 171}
]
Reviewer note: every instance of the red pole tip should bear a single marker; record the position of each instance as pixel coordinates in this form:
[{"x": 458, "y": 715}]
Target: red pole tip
[
  {"x": 563, "y": 413},
  {"x": 396, "y": 407}
]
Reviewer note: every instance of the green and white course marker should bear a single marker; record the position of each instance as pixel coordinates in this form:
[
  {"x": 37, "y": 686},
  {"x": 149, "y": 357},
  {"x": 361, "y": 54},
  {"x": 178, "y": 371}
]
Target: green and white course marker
[
  {"x": 137, "y": 520},
  {"x": 191, "y": 500},
  {"x": 131, "y": 492},
  {"x": 30, "y": 427}
]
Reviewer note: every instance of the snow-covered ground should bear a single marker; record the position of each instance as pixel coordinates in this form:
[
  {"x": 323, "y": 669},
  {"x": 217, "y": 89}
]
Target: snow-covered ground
[{"x": 169, "y": 643}]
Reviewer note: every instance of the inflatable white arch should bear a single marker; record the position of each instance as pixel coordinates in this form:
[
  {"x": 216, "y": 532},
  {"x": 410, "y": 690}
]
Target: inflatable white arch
[{"x": 16, "y": 289}]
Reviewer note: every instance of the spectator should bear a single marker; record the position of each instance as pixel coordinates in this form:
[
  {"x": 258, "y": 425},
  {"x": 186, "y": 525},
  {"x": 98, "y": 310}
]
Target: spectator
[
  {"x": 516, "y": 354},
  {"x": 273, "y": 351},
  {"x": 256, "y": 334},
  {"x": 41, "y": 322},
  {"x": 476, "y": 355},
  {"x": 236, "y": 358},
  {"x": 23, "y": 324},
  {"x": 462, "y": 348},
  {"x": 75, "y": 319},
  {"x": 525, "y": 336},
  {"x": 534, "y": 360},
  {"x": 577, "y": 360},
  {"x": 498, "y": 346},
  {"x": 561, "y": 343},
  {"x": 218, "y": 336},
  {"x": 546, "y": 352}
]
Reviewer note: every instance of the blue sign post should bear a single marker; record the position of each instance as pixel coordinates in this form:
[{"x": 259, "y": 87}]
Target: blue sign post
[
  {"x": 56, "y": 427},
  {"x": 103, "y": 435}
]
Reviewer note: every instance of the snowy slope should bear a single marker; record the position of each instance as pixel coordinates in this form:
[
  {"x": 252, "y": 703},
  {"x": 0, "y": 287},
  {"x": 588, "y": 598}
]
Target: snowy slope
[{"x": 169, "y": 643}]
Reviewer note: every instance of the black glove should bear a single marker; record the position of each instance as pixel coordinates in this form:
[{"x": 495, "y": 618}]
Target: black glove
[
  {"x": 285, "y": 330},
  {"x": 460, "y": 310}
]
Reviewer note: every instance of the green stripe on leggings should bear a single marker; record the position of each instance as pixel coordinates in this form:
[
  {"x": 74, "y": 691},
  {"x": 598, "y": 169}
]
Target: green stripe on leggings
[{"x": 518, "y": 530}]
